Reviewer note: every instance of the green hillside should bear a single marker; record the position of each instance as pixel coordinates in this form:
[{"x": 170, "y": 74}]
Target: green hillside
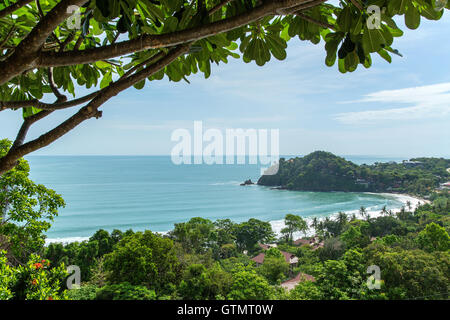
[{"x": 324, "y": 171}]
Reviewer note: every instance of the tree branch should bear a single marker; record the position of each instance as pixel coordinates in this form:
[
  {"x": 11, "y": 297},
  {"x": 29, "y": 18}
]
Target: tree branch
[
  {"x": 59, "y": 96},
  {"x": 78, "y": 43},
  {"x": 126, "y": 82},
  {"x": 145, "y": 42},
  {"x": 218, "y": 6},
  {"x": 48, "y": 106},
  {"x": 305, "y": 5},
  {"x": 317, "y": 22},
  {"x": 357, "y": 4},
  {"x": 27, "y": 52},
  {"x": 89, "y": 111},
  {"x": 144, "y": 63},
  {"x": 28, "y": 121},
  {"x": 28, "y": 55},
  {"x": 68, "y": 40},
  {"x": 38, "y": 6},
  {"x": 21, "y": 135},
  {"x": 19, "y": 4}
]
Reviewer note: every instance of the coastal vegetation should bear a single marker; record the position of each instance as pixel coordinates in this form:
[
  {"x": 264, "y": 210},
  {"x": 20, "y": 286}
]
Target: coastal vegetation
[
  {"x": 204, "y": 259},
  {"x": 324, "y": 171},
  {"x": 411, "y": 249}
]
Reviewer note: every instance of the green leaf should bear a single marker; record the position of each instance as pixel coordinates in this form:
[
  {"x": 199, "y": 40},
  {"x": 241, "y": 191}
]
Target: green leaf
[
  {"x": 170, "y": 24},
  {"x": 357, "y": 25},
  {"x": 332, "y": 43},
  {"x": 428, "y": 11},
  {"x": 375, "y": 39},
  {"x": 341, "y": 65},
  {"x": 104, "y": 7},
  {"x": 139, "y": 85},
  {"x": 102, "y": 64},
  {"x": 412, "y": 17},
  {"x": 351, "y": 61},
  {"x": 345, "y": 18},
  {"x": 277, "y": 46},
  {"x": 385, "y": 55},
  {"x": 29, "y": 111},
  {"x": 107, "y": 78}
]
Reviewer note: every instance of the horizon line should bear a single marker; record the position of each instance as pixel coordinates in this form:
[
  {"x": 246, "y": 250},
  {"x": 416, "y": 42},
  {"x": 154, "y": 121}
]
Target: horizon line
[{"x": 246, "y": 155}]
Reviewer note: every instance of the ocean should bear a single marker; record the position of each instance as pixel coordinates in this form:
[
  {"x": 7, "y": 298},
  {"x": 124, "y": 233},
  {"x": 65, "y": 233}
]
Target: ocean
[{"x": 152, "y": 193}]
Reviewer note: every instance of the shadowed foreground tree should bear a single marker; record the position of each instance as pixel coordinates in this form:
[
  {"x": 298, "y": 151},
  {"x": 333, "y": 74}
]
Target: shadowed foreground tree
[
  {"x": 26, "y": 211},
  {"x": 143, "y": 258},
  {"x": 44, "y": 49}
]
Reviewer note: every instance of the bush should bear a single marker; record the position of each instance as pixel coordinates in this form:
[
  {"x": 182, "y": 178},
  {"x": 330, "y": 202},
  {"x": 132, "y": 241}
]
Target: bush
[
  {"x": 145, "y": 259},
  {"x": 248, "y": 285},
  {"x": 434, "y": 238},
  {"x": 125, "y": 291},
  {"x": 86, "y": 292},
  {"x": 33, "y": 281}
]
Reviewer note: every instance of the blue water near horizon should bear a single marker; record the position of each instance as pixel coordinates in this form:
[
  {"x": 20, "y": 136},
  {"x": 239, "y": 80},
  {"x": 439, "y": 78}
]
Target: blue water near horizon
[{"x": 150, "y": 192}]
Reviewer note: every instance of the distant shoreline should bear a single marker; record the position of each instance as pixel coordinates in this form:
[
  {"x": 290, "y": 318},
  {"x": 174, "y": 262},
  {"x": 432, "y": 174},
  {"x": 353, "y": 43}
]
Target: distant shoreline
[
  {"x": 277, "y": 225},
  {"x": 413, "y": 196}
]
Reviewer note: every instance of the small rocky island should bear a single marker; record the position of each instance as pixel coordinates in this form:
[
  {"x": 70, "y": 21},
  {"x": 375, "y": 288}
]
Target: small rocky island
[{"x": 247, "y": 182}]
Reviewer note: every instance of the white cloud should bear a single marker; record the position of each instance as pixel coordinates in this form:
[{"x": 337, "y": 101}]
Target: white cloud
[{"x": 432, "y": 101}]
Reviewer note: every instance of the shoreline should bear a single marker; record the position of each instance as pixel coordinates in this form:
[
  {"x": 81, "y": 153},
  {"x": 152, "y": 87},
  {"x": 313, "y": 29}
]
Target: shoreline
[
  {"x": 404, "y": 195},
  {"x": 277, "y": 225}
]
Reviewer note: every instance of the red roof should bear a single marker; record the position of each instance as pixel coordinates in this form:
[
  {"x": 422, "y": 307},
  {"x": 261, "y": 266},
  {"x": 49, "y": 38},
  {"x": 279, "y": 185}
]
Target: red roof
[
  {"x": 287, "y": 256},
  {"x": 301, "y": 277},
  {"x": 259, "y": 258}
]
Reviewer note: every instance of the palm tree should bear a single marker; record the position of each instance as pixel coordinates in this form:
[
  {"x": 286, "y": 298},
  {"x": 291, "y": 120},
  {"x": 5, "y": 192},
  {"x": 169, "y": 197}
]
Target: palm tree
[
  {"x": 408, "y": 204},
  {"x": 342, "y": 218},
  {"x": 384, "y": 210},
  {"x": 314, "y": 223},
  {"x": 402, "y": 215},
  {"x": 362, "y": 211},
  {"x": 320, "y": 228}
]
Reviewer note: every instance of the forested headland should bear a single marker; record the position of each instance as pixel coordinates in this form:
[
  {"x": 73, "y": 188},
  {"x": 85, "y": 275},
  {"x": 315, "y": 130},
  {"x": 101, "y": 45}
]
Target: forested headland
[{"x": 324, "y": 171}]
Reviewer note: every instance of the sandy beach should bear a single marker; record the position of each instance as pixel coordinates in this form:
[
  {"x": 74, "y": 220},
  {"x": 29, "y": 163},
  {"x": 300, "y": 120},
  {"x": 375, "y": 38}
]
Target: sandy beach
[{"x": 414, "y": 201}]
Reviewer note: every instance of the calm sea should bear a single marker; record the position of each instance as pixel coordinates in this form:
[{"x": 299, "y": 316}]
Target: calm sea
[{"x": 149, "y": 192}]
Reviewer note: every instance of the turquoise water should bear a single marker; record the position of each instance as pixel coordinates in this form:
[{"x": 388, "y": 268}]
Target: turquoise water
[{"x": 149, "y": 192}]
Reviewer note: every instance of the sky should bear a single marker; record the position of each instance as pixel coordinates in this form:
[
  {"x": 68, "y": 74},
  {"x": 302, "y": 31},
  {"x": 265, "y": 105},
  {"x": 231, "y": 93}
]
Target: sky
[{"x": 399, "y": 109}]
